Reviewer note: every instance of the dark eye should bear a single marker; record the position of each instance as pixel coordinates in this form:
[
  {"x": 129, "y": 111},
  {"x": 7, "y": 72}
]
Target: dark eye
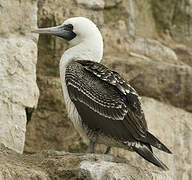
[{"x": 70, "y": 27}]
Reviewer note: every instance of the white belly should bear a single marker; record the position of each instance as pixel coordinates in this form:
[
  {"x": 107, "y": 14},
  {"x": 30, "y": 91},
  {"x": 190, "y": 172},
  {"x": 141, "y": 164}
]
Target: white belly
[{"x": 71, "y": 109}]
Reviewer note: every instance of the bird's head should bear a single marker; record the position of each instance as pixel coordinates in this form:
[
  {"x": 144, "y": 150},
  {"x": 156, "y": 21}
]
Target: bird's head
[{"x": 75, "y": 30}]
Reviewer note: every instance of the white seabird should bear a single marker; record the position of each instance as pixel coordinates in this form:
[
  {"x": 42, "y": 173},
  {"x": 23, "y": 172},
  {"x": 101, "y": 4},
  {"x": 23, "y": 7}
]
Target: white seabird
[{"x": 101, "y": 104}]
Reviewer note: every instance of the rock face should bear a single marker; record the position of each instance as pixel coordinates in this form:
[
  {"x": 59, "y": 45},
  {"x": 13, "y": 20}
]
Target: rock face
[
  {"x": 49, "y": 165},
  {"x": 95, "y": 4},
  {"x": 167, "y": 82},
  {"x": 154, "y": 50},
  {"x": 148, "y": 42},
  {"x": 18, "y": 56},
  {"x": 175, "y": 17},
  {"x": 173, "y": 127},
  {"x": 148, "y": 53}
]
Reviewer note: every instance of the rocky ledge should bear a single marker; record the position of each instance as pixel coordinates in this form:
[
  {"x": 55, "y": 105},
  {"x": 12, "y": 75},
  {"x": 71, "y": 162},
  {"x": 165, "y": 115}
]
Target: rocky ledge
[{"x": 55, "y": 165}]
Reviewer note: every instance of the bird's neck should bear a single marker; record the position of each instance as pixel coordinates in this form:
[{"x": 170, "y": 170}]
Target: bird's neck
[{"x": 89, "y": 49}]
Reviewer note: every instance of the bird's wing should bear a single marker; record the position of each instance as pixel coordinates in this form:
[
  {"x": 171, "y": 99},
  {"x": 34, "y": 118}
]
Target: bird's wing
[{"x": 105, "y": 102}]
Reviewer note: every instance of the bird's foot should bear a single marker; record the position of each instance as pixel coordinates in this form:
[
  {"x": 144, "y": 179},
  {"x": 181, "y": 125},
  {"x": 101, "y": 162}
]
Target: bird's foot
[
  {"x": 91, "y": 147},
  {"x": 108, "y": 150}
]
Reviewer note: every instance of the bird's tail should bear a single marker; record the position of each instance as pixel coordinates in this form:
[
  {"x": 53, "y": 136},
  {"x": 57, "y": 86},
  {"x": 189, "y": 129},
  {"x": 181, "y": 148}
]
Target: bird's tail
[
  {"x": 152, "y": 140},
  {"x": 144, "y": 151}
]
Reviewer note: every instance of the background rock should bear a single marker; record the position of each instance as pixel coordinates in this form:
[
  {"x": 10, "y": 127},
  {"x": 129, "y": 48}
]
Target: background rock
[
  {"x": 50, "y": 165},
  {"x": 175, "y": 17},
  {"x": 18, "y": 56},
  {"x": 148, "y": 42},
  {"x": 50, "y": 123},
  {"x": 173, "y": 127},
  {"x": 154, "y": 50},
  {"x": 164, "y": 81},
  {"x": 95, "y": 4}
]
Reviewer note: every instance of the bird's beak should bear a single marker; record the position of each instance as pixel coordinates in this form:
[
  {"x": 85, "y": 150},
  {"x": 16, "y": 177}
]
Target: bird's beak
[{"x": 60, "y": 31}]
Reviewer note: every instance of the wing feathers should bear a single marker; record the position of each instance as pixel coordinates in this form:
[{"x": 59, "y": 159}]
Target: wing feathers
[
  {"x": 152, "y": 140},
  {"x": 107, "y": 94},
  {"x": 146, "y": 153},
  {"x": 110, "y": 110}
]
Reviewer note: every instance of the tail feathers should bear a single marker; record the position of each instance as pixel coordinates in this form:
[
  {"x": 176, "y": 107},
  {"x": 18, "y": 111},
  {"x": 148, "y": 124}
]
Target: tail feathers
[
  {"x": 152, "y": 140},
  {"x": 144, "y": 151}
]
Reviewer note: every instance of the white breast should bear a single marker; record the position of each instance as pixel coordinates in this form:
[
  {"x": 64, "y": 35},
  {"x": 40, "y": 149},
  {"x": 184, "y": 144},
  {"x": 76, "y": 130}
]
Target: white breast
[{"x": 71, "y": 109}]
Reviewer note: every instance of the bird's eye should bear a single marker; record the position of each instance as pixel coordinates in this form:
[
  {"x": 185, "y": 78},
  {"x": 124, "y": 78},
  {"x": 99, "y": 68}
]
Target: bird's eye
[{"x": 70, "y": 27}]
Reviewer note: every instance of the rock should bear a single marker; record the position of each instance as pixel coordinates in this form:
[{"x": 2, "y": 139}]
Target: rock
[
  {"x": 161, "y": 71},
  {"x": 110, "y": 170},
  {"x": 50, "y": 165},
  {"x": 16, "y": 22},
  {"x": 18, "y": 71},
  {"x": 173, "y": 127},
  {"x": 184, "y": 53},
  {"x": 18, "y": 57},
  {"x": 94, "y": 4},
  {"x": 163, "y": 81},
  {"x": 154, "y": 50},
  {"x": 176, "y": 17},
  {"x": 13, "y": 125},
  {"x": 143, "y": 22},
  {"x": 131, "y": 18},
  {"x": 112, "y": 3},
  {"x": 50, "y": 124}
]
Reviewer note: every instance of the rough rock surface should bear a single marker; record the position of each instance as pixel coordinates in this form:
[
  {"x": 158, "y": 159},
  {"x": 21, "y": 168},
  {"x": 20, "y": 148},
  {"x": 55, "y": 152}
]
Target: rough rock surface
[
  {"x": 153, "y": 78},
  {"x": 174, "y": 17},
  {"x": 154, "y": 50},
  {"x": 49, "y": 165},
  {"x": 53, "y": 119},
  {"x": 173, "y": 127},
  {"x": 151, "y": 41},
  {"x": 18, "y": 56},
  {"x": 95, "y": 4}
]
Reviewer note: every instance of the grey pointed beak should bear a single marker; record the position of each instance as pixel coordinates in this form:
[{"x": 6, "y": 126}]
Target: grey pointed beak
[{"x": 60, "y": 31}]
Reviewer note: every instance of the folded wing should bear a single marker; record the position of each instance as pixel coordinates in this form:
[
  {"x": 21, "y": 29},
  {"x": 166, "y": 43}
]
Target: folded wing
[{"x": 105, "y": 102}]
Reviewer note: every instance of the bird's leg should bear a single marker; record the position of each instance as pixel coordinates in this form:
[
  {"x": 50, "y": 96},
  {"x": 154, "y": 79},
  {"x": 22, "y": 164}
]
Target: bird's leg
[
  {"x": 108, "y": 150},
  {"x": 91, "y": 147}
]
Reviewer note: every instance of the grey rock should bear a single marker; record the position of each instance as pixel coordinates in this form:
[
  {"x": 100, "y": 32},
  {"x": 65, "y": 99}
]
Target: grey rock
[
  {"x": 166, "y": 82},
  {"x": 109, "y": 170},
  {"x": 175, "y": 17},
  {"x": 49, "y": 165},
  {"x": 112, "y": 3},
  {"x": 150, "y": 59},
  {"x": 184, "y": 53},
  {"x": 18, "y": 57},
  {"x": 173, "y": 127},
  {"x": 154, "y": 50},
  {"x": 94, "y": 4}
]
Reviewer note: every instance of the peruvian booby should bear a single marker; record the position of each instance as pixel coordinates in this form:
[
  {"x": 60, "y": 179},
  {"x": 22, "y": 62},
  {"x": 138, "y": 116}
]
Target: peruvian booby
[{"x": 101, "y": 104}]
